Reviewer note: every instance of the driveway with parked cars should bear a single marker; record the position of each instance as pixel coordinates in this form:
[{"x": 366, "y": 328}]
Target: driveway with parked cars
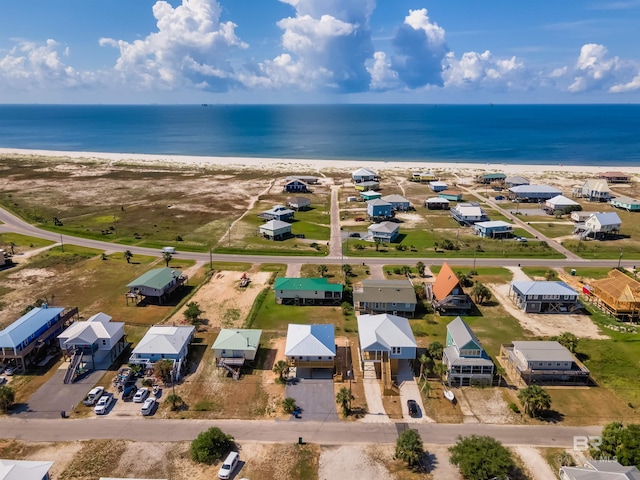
[{"x": 315, "y": 398}]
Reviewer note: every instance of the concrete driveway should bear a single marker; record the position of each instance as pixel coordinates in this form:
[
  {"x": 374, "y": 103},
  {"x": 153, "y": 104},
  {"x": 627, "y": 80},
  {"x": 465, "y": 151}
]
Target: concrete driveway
[
  {"x": 409, "y": 390},
  {"x": 55, "y": 396},
  {"x": 316, "y": 399}
]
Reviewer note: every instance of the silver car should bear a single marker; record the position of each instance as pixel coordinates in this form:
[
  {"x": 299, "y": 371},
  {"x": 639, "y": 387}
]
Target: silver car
[
  {"x": 141, "y": 395},
  {"x": 148, "y": 406}
]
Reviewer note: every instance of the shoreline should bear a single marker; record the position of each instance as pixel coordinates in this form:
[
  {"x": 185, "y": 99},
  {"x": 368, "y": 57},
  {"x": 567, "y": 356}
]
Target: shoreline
[{"x": 286, "y": 164}]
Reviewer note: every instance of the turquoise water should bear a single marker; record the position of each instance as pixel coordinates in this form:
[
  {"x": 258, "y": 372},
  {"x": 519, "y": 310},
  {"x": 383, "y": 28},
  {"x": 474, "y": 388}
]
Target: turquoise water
[{"x": 535, "y": 134}]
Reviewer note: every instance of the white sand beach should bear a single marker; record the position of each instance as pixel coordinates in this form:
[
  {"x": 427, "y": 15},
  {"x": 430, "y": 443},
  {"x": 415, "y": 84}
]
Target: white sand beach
[{"x": 293, "y": 166}]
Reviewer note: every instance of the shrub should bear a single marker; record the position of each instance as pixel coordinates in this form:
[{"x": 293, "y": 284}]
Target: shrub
[
  {"x": 211, "y": 446},
  {"x": 513, "y": 407}
]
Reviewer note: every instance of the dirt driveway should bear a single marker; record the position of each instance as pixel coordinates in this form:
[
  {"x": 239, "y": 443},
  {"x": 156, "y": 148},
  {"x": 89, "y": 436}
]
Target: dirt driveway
[{"x": 544, "y": 325}]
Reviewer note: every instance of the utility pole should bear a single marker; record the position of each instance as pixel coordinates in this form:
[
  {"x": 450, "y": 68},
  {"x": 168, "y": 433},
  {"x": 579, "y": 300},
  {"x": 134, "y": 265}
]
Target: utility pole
[
  {"x": 210, "y": 258},
  {"x": 229, "y": 234},
  {"x": 620, "y": 258},
  {"x": 61, "y": 243}
]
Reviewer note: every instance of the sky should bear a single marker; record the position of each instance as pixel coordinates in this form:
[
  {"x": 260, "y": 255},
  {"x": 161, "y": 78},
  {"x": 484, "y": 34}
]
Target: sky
[{"x": 319, "y": 51}]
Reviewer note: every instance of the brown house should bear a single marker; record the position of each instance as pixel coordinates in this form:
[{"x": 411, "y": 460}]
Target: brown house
[
  {"x": 618, "y": 294},
  {"x": 615, "y": 177},
  {"x": 446, "y": 294}
]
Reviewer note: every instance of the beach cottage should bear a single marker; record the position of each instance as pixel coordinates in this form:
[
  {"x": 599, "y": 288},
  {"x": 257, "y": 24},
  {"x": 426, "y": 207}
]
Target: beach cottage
[
  {"x": 385, "y": 232},
  {"x": 626, "y": 203},
  {"x": 437, "y": 203},
  {"x": 560, "y": 204},
  {"x": 275, "y": 230},
  {"x": 493, "y": 229},
  {"x": 378, "y": 209},
  {"x": 467, "y": 362},
  {"x": 398, "y": 202}
]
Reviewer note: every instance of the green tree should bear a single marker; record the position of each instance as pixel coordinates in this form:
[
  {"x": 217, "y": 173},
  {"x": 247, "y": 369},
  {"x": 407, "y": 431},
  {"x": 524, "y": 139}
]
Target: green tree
[
  {"x": 322, "y": 270},
  {"x": 620, "y": 442},
  {"x": 347, "y": 269},
  {"x": 175, "y": 400},
  {"x": 426, "y": 363},
  {"x": 7, "y": 397},
  {"x": 12, "y": 247},
  {"x": 435, "y": 246},
  {"x": 163, "y": 369},
  {"x": 128, "y": 255},
  {"x": 377, "y": 241},
  {"x": 406, "y": 270},
  {"x": 211, "y": 446},
  {"x": 550, "y": 275},
  {"x": 569, "y": 341},
  {"x": 440, "y": 369},
  {"x": 193, "y": 313},
  {"x": 409, "y": 448},
  {"x": 420, "y": 267},
  {"x": 343, "y": 398},
  {"x": 435, "y": 350},
  {"x": 281, "y": 368},
  {"x": 481, "y": 458},
  {"x": 480, "y": 293},
  {"x": 167, "y": 257},
  {"x": 289, "y": 405},
  {"x": 534, "y": 399}
]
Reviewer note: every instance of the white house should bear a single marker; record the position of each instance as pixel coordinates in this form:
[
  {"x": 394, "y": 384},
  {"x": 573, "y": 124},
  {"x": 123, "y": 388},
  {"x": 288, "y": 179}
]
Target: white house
[
  {"x": 602, "y": 224},
  {"x": 24, "y": 470},
  {"x": 594, "y": 190},
  {"x": 235, "y": 346},
  {"x": 561, "y": 204},
  {"x": 278, "y": 212},
  {"x": 163, "y": 342},
  {"x": 98, "y": 339},
  {"x": 438, "y": 186},
  {"x": 275, "y": 230},
  {"x": 468, "y": 213},
  {"x": 515, "y": 181},
  {"x": 533, "y": 193},
  {"x": 600, "y": 470},
  {"x": 311, "y": 347},
  {"x": 581, "y": 216},
  {"x": 363, "y": 175},
  {"x": 299, "y": 203}
]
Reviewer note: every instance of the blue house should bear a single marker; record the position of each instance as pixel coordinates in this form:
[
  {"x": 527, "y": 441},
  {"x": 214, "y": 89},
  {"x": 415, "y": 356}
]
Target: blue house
[
  {"x": 386, "y": 232},
  {"x": 378, "y": 209},
  {"x": 626, "y": 203},
  {"x": 493, "y": 229},
  {"x": 21, "y": 340},
  {"x": 438, "y": 186},
  {"x": 467, "y": 362},
  {"x": 544, "y": 297}
]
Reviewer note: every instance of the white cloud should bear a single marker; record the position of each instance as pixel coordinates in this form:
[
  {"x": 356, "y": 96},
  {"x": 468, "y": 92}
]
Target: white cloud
[
  {"x": 327, "y": 42},
  {"x": 475, "y": 69},
  {"x": 596, "y": 70},
  {"x": 29, "y": 66},
  {"x": 419, "y": 50},
  {"x": 631, "y": 86},
  {"x": 190, "y": 49},
  {"x": 383, "y": 77}
]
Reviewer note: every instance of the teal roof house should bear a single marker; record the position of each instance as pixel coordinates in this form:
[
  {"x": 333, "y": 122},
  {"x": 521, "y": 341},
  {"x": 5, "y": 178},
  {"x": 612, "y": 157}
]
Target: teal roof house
[
  {"x": 236, "y": 346},
  {"x": 157, "y": 284},
  {"x": 307, "y": 291}
]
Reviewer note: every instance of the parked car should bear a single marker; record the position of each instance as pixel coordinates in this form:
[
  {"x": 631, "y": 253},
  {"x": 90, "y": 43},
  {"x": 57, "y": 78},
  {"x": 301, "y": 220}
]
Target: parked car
[
  {"x": 129, "y": 392},
  {"x": 229, "y": 465},
  {"x": 9, "y": 371},
  {"x": 354, "y": 234},
  {"x": 499, "y": 197},
  {"x": 103, "y": 404},
  {"x": 170, "y": 250},
  {"x": 93, "y": 396},
  {"x": 412, "y": 406},
  {"x": 521, "y": 239},
  {"x": 359, "y": 219},
  {"x": 141, "y": 395},
  {"x": 148, "y": 406}
]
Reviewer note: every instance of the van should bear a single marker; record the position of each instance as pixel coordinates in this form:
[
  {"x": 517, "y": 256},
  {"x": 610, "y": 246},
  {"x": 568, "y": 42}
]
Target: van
[
  {"x": 228, "y": 466},
  {"x": 170, "y": 250}
]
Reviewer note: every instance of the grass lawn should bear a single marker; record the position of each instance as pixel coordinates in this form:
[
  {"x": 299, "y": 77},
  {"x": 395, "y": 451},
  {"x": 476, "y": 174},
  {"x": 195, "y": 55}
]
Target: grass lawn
[
  {"x": 21, "y": 242},
  {"x": 595, "y": 273},
  {"x": 335, "y": 274},
  {"x": 272, "y": 316},
  {"x": 553, "y": 229},
  {"x": 232, "y": 266},
  {"x": 538, "y": 272},
  {"x": 273, "y": 267},
  {"x": 483, "y": 274},
  {"x": 606, "y": 249}
]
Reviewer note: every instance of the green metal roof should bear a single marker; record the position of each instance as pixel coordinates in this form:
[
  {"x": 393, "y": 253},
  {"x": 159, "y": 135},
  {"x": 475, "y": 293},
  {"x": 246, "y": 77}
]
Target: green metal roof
[
  {"x": 494, "y": 176},
  {"x": 306, "y": 284},
  {"x": 237, "y": 339},
  {"x": 157, "y": 278}
]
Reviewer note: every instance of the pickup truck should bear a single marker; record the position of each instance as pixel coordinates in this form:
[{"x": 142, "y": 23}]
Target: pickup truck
[{"x": 93, "y": 396}]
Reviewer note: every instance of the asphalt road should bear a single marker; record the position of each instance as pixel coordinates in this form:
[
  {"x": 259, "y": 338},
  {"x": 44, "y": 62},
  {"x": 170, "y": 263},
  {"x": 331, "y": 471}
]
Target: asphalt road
[
  {"x": 17, "y": 225},
  {"x": 323, "y": 433}
]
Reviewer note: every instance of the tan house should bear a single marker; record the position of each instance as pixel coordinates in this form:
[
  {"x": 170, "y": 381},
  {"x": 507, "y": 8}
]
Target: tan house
[{"x": 618, "y": 294}]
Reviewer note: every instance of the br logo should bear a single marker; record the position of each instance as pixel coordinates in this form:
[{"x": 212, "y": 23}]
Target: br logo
[{"x": 585, "y": 442}]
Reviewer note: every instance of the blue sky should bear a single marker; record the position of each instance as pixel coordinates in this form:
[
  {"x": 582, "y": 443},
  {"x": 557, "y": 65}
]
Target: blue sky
[{"x": 319, "y": 51}]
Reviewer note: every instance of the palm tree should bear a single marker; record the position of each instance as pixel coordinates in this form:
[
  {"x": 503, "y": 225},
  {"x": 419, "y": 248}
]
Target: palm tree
[
  {"x": 127, "y": 255},
  {"x": 435, "y": 246},
  {"x": 501, "y": 372},
  {"x": 322, "y": 270},
  {"x": 166, "y": 256},
  {"x": 480, "y": 293},
  {"x": 534, "y": 400},
  {"x": 440, "y": 369},
  {"x": 377, "y": 242},
  {"x": 343, "y": 398},
  {"x": 289, "y": 405},
  {"x": 7, "y": 397},
  {"x": 426, "y": 363},
  {"x": 347, "y": 269},
  {"x": 12, "y": 246},
  {"x": 420, "y": 267},
  {"x": 175, "y": 399},
  {"x": 406, "y": 270},
  {"x": 281, "y": 368},
  {"x": 569, "y": 341},
  {"x": 435, "y": 350}
]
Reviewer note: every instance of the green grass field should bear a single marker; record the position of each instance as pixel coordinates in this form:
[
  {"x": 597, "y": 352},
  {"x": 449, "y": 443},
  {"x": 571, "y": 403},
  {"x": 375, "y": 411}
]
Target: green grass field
[{"x": 21, "y": 242}]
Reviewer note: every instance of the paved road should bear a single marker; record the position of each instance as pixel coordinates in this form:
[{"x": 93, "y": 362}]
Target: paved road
[
  {"x": 323, "y": 433},
  {"x": 15, "y": 224}
]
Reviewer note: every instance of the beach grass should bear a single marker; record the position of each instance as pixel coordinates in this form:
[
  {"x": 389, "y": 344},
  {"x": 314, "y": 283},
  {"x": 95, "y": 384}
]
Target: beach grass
[{"x": 21, "y": 242}]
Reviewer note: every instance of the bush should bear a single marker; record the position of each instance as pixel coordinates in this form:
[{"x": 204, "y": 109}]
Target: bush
[
  {"x": 513, "y": 407},
  {"x": 147, "y": 382},
  {"x": 211, "y": 446},
  {"x": 289, "y": 405},
  {"x": 409, "y": 448}
]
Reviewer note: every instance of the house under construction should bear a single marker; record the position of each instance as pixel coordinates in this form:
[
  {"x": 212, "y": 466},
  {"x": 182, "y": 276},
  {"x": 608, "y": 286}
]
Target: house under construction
[{"x": 618, "y": 295}]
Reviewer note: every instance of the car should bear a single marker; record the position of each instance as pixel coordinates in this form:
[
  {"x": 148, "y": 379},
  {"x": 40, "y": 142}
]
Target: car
[
  {"x": 521, "y": 239},
  {"x": 129, "y": 392},
  {"x": 412, "y": 406},
  {"x": 103, "y": 404},
  {"x": 499, "y": 197},
  {"x": 148, "y": 406},
  {"x": 141, "y": 395},
  {"x": 355, "y": 235},
  {"x": 229, "y": 465},
  {"x": 170, "y": 250},
  {"x": 9, "y": 371},
  {"x": 93, "y": 396},
  {"x": 359, "y": 219}
]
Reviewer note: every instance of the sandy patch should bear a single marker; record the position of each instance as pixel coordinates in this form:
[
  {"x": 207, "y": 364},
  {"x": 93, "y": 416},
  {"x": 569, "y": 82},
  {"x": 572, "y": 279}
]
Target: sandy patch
[
  {"x": 351, "y": 461},
  {"x": 410, "y": 220},
  {"x": 547, "y": 325},
  {"x": 488, "y": 405},
  {"x": 535, "y": 463},
  {"x": 224, "y": 302}
]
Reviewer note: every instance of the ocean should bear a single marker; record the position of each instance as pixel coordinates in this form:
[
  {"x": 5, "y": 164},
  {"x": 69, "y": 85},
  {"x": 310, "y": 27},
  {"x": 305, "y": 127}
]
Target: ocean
[{"x": 509, "y": 134}]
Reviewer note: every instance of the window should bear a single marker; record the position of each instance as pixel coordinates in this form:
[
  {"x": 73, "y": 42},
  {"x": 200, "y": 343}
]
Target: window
[
  {"x": 162, "y": 356},
  {"x": 104, "y": 342},
  {"x": 396, "y": 350}
]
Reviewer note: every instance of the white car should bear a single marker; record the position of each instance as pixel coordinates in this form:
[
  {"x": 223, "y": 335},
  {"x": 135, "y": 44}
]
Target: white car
[
  {"x": 148, "y": 406},
  {"x": 103, "y": 404},
  {"x": 10, "y": 371},
  {"x": 141, "y": 395}
]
